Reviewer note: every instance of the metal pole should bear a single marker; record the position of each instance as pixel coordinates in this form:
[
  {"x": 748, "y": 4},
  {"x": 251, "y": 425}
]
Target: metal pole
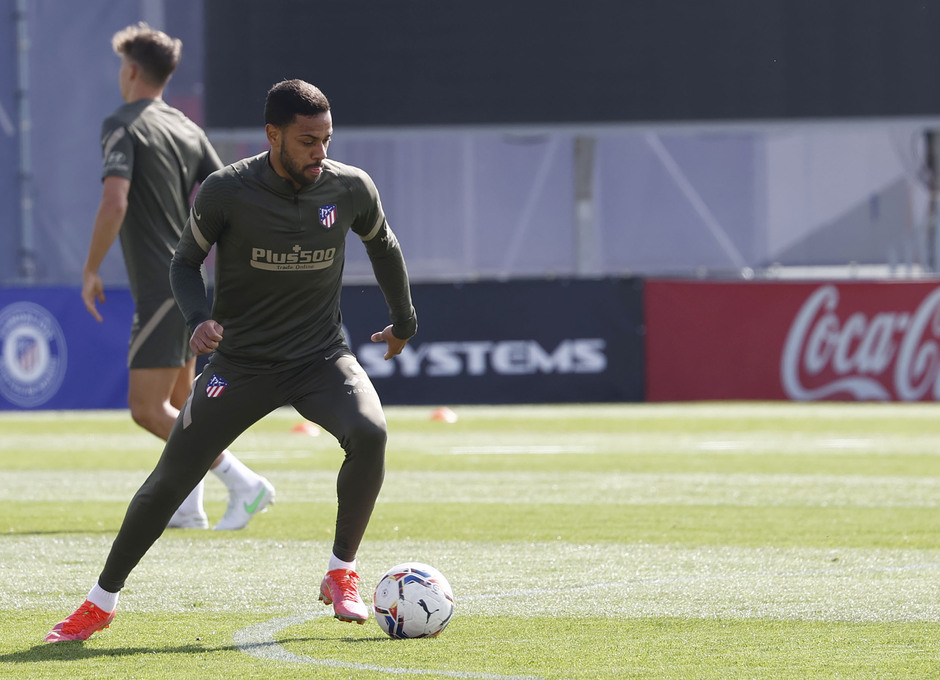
[
  {"x": 933, "y": 216},
  {"x": 27, "y": 237},
  {"x": 584, "y": 213},
  {"x": 154, "y": 13}
]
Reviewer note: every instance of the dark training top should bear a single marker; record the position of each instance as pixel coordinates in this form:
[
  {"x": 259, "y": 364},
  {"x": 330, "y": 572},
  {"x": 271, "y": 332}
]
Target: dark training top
[
  {"x": 279, "y": 260},
  {"x": 164, "y": 155}
]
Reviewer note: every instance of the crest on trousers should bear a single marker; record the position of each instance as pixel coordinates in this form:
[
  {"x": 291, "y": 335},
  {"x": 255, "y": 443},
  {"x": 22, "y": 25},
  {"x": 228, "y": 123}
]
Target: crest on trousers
[
  {"x": 328, "y": 215},
  {"x": 216, "y": 386}
]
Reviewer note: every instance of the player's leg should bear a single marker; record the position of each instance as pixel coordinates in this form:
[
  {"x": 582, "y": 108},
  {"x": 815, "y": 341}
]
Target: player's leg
[
  {"x": 159, "y": 363},
  {"x": 149, "y": 392},
  {"x": 343, "y": 401},
  {"x": 224, "y": 402},
  {"x": 184, "y": 384},
  {"x": 219, "y": 409},
  {"x": 160, "y": 338},
  {"x": 161, "y": 375},
  {"x": 150, "y": 396},
  {"x": 249, "y": 493}
]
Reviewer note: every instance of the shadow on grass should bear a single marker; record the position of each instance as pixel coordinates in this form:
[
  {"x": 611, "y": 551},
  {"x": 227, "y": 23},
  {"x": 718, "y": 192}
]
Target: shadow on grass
[{"x": 75, "y": 650}]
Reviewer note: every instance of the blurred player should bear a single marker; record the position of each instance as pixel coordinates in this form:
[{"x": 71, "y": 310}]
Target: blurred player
[
  {"x": 279, "y": 223},
  {"x": 153, "y": 158}
]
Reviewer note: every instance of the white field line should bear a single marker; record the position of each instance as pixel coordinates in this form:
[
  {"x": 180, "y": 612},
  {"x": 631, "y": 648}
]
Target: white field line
[
  {"x": 262, "y": 447},
  {"x": 525, "y": 487},
  {"x": 260, "y": 641},
  {"x": 545, "y": 579},
  {"x": 626, "y": 444},
  {"x": 719, "y": 410},
  {"x": 518, "y": 450}
]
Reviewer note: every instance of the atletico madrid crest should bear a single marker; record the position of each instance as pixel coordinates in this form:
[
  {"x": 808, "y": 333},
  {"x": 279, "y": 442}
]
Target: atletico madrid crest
[
  {"x": 328, "y": 215},
  {"x": 216, "y": 386}
]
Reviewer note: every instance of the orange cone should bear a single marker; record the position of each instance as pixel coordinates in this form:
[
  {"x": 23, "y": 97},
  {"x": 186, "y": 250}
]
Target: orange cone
[
  {"x": 444, "y": 414},
  {"x": 306, "y": 427}
]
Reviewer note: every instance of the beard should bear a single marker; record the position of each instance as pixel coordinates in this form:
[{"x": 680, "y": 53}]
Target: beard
[{"x": 295, "y": 170}]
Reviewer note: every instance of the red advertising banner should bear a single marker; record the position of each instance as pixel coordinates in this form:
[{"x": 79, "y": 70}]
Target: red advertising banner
[{"x": 799, "y": 341}]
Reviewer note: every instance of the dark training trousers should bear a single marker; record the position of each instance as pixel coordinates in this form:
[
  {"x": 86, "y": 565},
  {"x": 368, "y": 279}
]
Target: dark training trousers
[{"x": 331, "y": 390}]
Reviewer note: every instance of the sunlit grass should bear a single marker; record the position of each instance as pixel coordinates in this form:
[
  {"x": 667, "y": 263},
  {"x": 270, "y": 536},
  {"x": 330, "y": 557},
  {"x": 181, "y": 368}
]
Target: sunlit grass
[{"x": 582, "y": 541}]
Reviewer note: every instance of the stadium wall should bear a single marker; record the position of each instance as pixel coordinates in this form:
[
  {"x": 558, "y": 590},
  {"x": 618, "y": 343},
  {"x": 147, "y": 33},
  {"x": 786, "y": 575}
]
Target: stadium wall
[
  {"x": 507, "y": 195},
  {"x": 494, "y": 342},
  {"x": 799, "y": 341},
  {"x": 559, "y": 341},
  {"x": 431, "y": 63},
  {"x": 725, "y": 138},
  {"x": 56, "y": 356}
]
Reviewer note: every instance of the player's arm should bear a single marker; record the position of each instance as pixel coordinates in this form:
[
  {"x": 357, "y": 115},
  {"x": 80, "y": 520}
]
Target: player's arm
[
  {"x": 189, "y": 288},
  {"x": 210, "y": 161},
  {"x": 108, "y": 221},
  {"x": 388, "y": 265}
]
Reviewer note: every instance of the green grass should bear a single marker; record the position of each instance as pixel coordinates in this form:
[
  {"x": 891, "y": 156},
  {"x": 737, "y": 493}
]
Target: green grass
[{"x": 697, "y": 541}]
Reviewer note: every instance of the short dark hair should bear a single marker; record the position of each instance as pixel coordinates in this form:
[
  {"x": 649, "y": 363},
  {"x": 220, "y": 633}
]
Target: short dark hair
[
  {"x": 154, "y": 51},
  {"x": 290, "y": 98}
]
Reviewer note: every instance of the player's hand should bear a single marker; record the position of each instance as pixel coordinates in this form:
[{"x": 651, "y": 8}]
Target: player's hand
[
  {"x": 206, "y": 337},
  {"x": 395, "y": 345},
  {"x": 92, "y": 290}
]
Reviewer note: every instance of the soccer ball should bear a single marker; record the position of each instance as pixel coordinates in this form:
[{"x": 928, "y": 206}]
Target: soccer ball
[{"x": 413, "y": 600}]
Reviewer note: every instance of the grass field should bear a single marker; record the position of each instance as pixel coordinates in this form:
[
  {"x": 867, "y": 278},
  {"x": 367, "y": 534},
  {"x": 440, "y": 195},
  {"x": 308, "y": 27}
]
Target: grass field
[{"x": 604, "y": 541}]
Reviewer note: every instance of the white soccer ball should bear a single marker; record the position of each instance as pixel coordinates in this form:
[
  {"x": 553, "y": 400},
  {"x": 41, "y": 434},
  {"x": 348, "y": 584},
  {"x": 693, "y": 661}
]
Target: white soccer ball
[{"x": 413, "y": 600}]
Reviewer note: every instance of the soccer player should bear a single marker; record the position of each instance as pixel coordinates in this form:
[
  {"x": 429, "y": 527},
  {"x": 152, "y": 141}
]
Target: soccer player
[
  {"x": 153, "y": 158},
  {"x": 279, "y": 223}
]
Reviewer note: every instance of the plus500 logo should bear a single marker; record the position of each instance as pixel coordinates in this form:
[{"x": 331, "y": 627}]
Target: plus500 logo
[{"x": 507, "y": 357}]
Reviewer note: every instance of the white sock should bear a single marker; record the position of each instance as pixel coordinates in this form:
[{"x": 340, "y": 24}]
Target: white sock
[
  {"x": 337, "y": 563},
  {"x": 102, "y": 599},
  {"x": 235, "y": 474},
  {"x": 192, "y": 504}
]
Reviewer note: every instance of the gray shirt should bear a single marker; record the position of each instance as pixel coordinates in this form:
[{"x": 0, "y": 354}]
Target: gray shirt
[
  {"x": 164, "y": 155},
  {"x": 279, "y": 260}
]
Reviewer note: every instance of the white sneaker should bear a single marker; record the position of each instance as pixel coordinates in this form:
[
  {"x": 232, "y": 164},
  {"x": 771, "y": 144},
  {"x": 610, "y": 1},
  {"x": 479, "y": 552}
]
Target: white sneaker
[
  {"x": 243, "y": 505},
  {"x": 188, "y": 520}
]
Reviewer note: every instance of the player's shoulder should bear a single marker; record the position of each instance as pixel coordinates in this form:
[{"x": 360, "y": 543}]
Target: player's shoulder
[
  {"x": 355, "y": 178},
  {"x": 143, "y": 114},
  {"x": 121, "y": 118},
  {"x": 172, "y": 117},
  {"x": 343, "y": 169},
  {"x": 225, "y": 178},
  {"x": 232, "y": 177},
  {"x": 246, "y": 170},
  {"x": 127, "y": 112}
]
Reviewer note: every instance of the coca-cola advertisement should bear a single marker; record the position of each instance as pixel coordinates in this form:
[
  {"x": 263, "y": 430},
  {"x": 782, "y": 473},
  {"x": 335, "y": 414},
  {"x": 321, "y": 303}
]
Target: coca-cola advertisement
[{"x": 799, "y": 341}]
